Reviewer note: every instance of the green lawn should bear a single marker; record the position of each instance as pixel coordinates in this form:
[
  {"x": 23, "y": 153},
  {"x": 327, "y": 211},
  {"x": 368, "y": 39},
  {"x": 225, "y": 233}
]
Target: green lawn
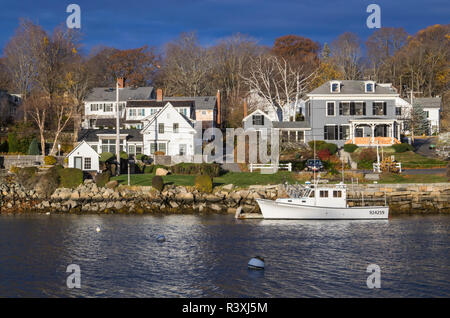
[
  {"x": 409, "y": 159},
  {"x": 240, "y": 179},
  {"x": 416, "y": 178}
]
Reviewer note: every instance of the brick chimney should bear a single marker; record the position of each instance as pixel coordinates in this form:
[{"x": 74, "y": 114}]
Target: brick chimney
[
  {"x": 159, "y": 95},
  {"x": 245, "y": 108},
  {"x": 121, "y": 81},
  {"x": 219, "y": 114}
]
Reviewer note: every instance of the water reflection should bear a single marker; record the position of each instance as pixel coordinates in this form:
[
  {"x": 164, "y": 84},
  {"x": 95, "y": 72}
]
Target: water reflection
[{"x": 208, "y": 256}]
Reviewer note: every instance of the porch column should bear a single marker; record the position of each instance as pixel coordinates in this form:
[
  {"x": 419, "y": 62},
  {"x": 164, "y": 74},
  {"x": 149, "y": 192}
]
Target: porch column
[
  {"x": 289, "y": 136},
  {"x": 352, "y": 132},
  {"x": 372, "y": 126},
  {"x": 391, "y": 126},
  {"x": 296, "y": 136},
  {"x": 398, "y": 132},
  {"x": 304, "y": 136}
]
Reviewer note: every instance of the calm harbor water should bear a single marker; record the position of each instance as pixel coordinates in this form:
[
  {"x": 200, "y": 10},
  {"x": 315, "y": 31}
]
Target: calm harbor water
[{"x": 206, "y": 256}]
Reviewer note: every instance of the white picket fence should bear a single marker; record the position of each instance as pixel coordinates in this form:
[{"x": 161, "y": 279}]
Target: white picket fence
[{"x": 271, "y": 166}]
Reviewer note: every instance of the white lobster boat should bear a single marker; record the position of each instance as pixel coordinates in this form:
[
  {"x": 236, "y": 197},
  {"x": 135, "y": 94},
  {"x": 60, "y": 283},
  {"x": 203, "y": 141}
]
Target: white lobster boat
[{"x": 324, "y": 202}]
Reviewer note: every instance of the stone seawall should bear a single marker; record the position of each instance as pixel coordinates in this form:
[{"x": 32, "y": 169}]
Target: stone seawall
[{"x": 88, "y": 198}]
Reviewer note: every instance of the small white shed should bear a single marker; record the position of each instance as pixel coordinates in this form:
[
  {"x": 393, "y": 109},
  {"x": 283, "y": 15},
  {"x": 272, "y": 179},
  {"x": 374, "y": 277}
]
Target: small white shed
[{"x": 84, "y": 157}]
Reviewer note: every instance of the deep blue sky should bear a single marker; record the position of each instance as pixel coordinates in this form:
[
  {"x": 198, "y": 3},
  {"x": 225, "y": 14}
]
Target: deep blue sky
[{"x": 133, "y": 23}]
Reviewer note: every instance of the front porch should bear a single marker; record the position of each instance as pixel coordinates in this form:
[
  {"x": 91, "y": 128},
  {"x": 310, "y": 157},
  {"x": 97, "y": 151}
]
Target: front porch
[{"x": 374, "y": 131}]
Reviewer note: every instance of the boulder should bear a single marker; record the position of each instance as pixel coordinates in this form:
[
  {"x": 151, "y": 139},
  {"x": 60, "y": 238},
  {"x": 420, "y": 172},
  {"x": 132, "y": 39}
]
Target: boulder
[
  {"x": 112, "y": 184},
  {"x": 161, "y": 172}
]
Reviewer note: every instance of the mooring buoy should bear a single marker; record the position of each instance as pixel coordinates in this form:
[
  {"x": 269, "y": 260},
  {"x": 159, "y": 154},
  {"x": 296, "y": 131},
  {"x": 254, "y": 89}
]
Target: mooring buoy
[
  {"x": 97, "y": 229},
  {"x": 160, "y": 238},
  {"x": 256, "y": 262}
]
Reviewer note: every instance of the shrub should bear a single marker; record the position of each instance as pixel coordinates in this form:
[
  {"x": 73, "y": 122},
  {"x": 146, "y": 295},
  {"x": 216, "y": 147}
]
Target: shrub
[
  {"x": 13, "y": 143},
  {"x": 350, "y": 148},
  {"x": 158, "y": 183},
  {"x": 123, "y": 155},
  {"x": 297, "y": 165},
  {"x": 26, "y": 177},
  {"x": 366, "y": 158},
  {"x": 14, "y": 169},
  {"x": 332, "y": 148},
  {"x": 403, "y": 147},
  {"x": 49, "y": 160},
  {"x": 159, "y": 153},
  {"x": 106, "y": 156},
  {"x": 318, "y": 143},
  {"x": 33, "y": 149},
  {"x": 141, "y": 157},
  {"x": 4, "y": 146},
  {"x": 149, "y": 169},
  {"x": 102, "y": 179},
  {"x": 210, "y": 169},
  {"x": 324, "y": 154},
  {"x": 71, "y": 177},
  {"x": 204, "y": 183}
]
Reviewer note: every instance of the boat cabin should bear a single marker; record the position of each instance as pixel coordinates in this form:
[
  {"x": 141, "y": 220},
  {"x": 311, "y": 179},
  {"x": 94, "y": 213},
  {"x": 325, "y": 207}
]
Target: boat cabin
[{"x": 318, "y": 195}]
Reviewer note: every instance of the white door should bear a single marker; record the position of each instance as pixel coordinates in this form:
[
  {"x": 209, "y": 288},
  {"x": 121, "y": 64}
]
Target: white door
[{"x": 78, "y": 162}]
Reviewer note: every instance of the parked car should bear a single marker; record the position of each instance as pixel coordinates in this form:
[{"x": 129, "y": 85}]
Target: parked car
[{"x": 314, "y": 165}]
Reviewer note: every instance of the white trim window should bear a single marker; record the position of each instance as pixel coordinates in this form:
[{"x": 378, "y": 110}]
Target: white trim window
[
  {"x": 108, "y": 107},
  {"x": 87, "y": 163},
  {"x": 141, "y": 112},
  {"x": 331, "y": 108},
  {"x": 335, "y": 87},
  {"x": 176, "y": 127},
  {"x": 369, "y": 87},
  {"x": 132, "y": 112},
  {"x": 94, "y": 107}
]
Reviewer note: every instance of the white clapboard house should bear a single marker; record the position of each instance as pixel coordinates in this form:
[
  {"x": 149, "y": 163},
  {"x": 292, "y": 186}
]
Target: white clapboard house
[{"x": 84, "y": 157}]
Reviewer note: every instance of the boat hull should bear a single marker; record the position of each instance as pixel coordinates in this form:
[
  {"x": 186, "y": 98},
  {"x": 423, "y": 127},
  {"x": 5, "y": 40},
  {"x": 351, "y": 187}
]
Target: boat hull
[{"x": 280, "y": 210}]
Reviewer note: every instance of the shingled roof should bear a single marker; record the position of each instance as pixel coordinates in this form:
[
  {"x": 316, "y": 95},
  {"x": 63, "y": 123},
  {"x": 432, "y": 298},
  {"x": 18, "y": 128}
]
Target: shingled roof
[
  {"x": 353, "y": 87},
  {"x": 428, "y": 102},
  {"x": 100, "y": 94},
  {"x": 92, "y": 134}
]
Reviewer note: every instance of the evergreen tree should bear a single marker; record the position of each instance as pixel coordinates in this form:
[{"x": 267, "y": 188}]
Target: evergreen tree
[
  {"x": 33, "y": 149},
  {"x": 418, "y": 122},
  {"x": 13, "y": 145},
  {"x": 325, "y": 52}
]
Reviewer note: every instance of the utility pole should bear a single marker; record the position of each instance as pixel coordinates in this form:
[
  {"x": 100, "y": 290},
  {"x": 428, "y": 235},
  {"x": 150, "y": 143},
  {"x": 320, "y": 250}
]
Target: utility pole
[{"x": 117, "y": 129}]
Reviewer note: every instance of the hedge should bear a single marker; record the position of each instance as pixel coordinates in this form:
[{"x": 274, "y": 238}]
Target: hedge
[
  {"x": 70, "y": 177},
  {"x": 350, "y": 147},
  {"x": 204, "y": 183},
  {"x": 332, "y": 148},
  {"x": 141, "y": 157},
  {"x": 49, "y": 160},
  {"x": 106, "y": 156},
  {"x": 33, "y": 149},
  {"x": 209, "y": 169}
]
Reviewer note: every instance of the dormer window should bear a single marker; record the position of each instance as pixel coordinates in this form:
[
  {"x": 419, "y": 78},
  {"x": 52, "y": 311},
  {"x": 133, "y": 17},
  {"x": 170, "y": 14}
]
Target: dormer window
[
  {"x": 335, "y": 87},
  {"x": 370, "y": 87}
]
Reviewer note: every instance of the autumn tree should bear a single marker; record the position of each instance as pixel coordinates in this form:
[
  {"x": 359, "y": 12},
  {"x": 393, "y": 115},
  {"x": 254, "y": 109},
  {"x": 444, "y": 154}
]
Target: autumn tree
[
  {"x": 20, "y": 57},
  {"x": 381, "y": 46},
  {"x": 424, "y": 61},
  {"x": 187, "y": 67},
  {"x": 346, "y": 54},
  {"x": 297, "y": 51}
]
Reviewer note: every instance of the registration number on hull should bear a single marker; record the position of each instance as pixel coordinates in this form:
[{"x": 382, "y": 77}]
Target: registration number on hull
[{"x": 377, "y": 212}]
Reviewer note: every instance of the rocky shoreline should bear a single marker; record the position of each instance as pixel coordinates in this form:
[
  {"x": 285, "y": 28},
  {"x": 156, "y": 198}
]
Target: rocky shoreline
[{"x": 90, "y": 199}]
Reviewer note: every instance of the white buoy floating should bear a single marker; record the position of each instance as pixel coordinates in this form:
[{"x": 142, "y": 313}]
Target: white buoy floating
[
  {"x": 48, "y": 213},
  {"x": 97, "y": 229},
  {"x": 160, "y": 238},
  {"x": 256, "y": 262}
]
